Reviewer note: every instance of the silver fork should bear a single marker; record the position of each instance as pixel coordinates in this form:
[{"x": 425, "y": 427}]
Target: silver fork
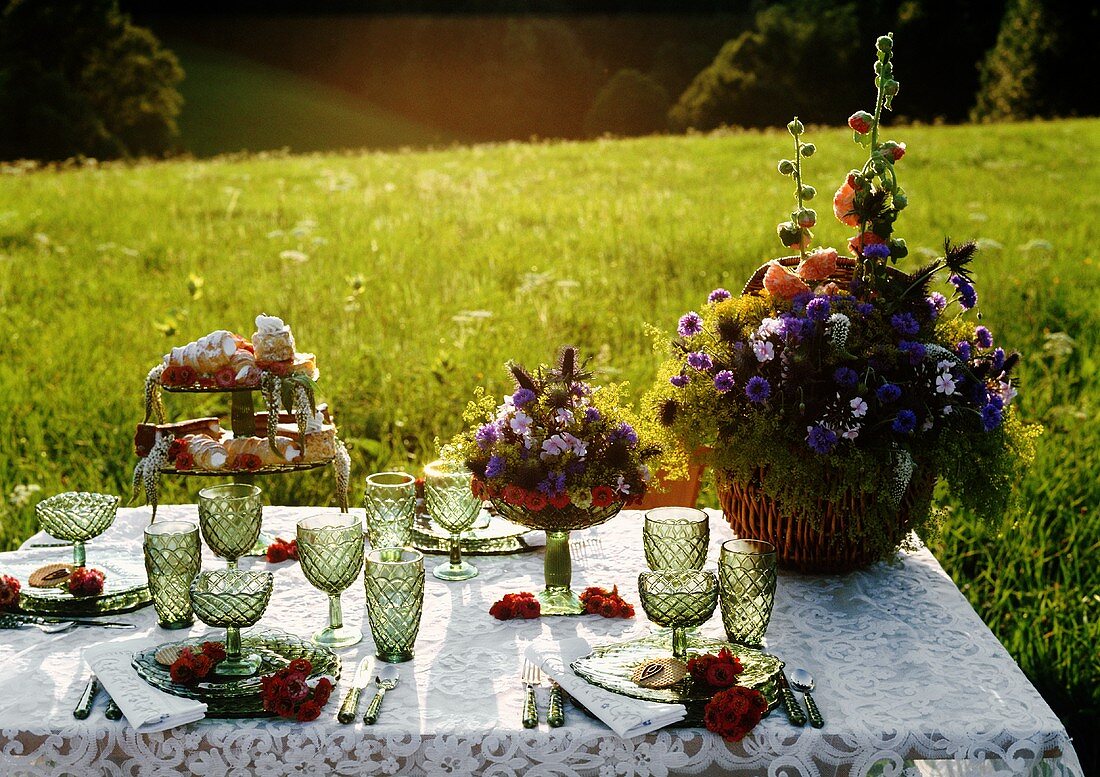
[{"x": 531, "y": 677}]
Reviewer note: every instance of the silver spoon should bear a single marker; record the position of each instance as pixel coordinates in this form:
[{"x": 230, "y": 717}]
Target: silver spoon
[
  {"x": 803, "y": 681},
  {"x": 387, "y": 679}
]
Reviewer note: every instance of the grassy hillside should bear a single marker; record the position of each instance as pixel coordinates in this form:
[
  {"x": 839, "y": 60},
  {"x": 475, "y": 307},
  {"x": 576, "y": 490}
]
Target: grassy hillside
[{"x": 415, "y": 276}]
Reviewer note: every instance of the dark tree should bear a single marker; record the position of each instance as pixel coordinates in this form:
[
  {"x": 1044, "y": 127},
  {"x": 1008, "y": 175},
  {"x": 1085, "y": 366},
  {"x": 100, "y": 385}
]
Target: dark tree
[{"x": 631, "y": 103}]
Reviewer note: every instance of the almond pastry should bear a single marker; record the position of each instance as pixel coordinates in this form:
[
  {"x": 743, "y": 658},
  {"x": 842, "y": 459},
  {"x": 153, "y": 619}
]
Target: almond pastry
[
  {"x": 660, "y": 673},
  {"x": 50, "y": 576}
]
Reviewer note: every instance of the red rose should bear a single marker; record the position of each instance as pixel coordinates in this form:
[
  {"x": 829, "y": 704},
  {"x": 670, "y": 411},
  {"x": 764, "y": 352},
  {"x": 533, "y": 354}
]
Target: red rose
[
  {"x": 608, "y": 608},
  {"x": 721, "y": 674},
  {"x": 535, "y": 501},
  {"x": 602, "y": 496},
  {"x": 185, "y": 376},
  {"x": 860, "y": 121},
  {"x": 322, "y": 691},
  {"x": 529, "y": 608},
  {"x": 283, "y": 707},
  {"x": 226, "y": 377},
  {"x": 276, "y": 552},
  {"x": 301, "y": 665},
  {"x": 560, "y": 502},
  {"x": 185, "y": 461},
  {"x": 175, "y": 448},
  {"x": 181, "y": 671},
  {"x": 215, "y": 651},
  {"x": 734, "y": 712},
  {"x": 9, "y": 592},
  {"x": 296, "y": 689},
  {"x": 501, "y": 611},
  {"x": 201, "y": 665},
  {"x": 309, "y": 711}
]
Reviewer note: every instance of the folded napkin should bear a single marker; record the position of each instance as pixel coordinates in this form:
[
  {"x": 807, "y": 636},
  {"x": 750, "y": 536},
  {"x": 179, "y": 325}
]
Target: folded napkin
[
  {"x": 625, "y": 716},
  {"x": 146, "y": 709}
]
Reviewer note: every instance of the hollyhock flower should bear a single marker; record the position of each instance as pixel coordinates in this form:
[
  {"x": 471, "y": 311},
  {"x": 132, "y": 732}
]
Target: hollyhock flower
[
  {"x": 888, "y": 392},
  {"x": 905, "y": 422},
  {"x": 699, "y": 361},
  {"x": 893, "y": 150},
  {"x": 818, "y": 265},
  {"x": 723, "y": 381},
  {"x": 679, "y": 381},
  {"x": 905, "y": 324},
  {"x": 487, "y": 435},
  {"x": 991, "y": 417},
  {"x": 521, "y": 423},
  {"x": 984, "y": 337},
  {"x": 764, "y": 350},
  {"x": 846, "y": 376},
  {"x": 758, "y": 389},
  {"x": 844, "y": 202},
  {"x": 781, "y": 283},
  {"x": 690, "y": 325},
  {"x": 859, "y": 407},
  {"x": 859, "y": 243},
  {"x": 945, "y": 384},
  {"x": 860, "y": 122},
  {"x": 818, "y": 309},
  {"x": 718, "y": 295},
  {"x": 820, "y": 439}
]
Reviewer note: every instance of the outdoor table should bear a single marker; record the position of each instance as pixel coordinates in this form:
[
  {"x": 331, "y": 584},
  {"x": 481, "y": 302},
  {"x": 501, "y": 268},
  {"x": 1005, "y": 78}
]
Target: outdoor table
[{"x": 909, "y": 680}]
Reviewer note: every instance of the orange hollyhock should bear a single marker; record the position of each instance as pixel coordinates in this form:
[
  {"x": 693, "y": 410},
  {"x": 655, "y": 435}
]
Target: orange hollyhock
[
  {"x": 819, "y": 265},
  {"x": 780, "y": 282}
]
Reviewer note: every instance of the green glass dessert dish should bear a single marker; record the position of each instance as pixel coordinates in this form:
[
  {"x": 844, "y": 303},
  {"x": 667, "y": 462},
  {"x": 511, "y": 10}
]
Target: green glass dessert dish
[
  {"x": 676, "y": 538},
  {"x": 76, "y": 517},
  {"x": 679, "y": 600},
  {"x": 453, "y": 507},
  {"x": 330, "y": 549},
  {"x": 232, "y": 599}
]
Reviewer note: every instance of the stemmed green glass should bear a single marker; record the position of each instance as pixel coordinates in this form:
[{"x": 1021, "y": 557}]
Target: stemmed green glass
[
  {"x": 232, "y": 599},
  {"x": 390, "y": 503},
  {"x": 453, "y": 506},
  {"x": 747, "y": 577},
  {"x": 330, "y": 548},
  {"x": 676, "y": 538},
  {"x": 230, "y": 516},
  {"x": 76, "y": 517},
  {"x": 679, "y": 599},
  {"x": 394, "y": 583},
  {"x": 172, "y": 559}
]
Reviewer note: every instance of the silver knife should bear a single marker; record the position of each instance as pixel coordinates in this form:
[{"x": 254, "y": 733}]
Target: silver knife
[
  {"x": 76, "y": 621},
  {"x": 350, "y": 707}
]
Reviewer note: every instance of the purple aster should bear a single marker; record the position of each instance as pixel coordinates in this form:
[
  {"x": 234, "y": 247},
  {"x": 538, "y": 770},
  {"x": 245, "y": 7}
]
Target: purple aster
[
  {"x": 991, "y": 417},
  {"x": 592, "y": 414},
  {"x": 997, "y": 401},
  {"x": 690, "y": 324},
  {"x": 718, "y": 295},
  {"x": 624, "y": 432},
  {"x": 758, "y": 389},
  {"x": 723, "y": 381},
  {"x": 905, "y": 422},
  {"x": 487, "y": 435},
  {"x": 984, "y": 337},
  {"x": 876, "y": 251},
  {"x": 553, "y": 484},
  {"x": 679, "y": 381},
  {"x": 865, "y": 308},
  {"x": 846, "y": 376},
  {"x": 915, "y": 351},
  {"x": 791, "y": 327},
  {"x": 888, "y": 392},
  {"x": 968, "y": 298},
  {"x": 523, "y": 396},
  {"x": 998, "y": 360},
  {"x": 801, "y": 300},
  {"x": 963, "y": 350},
  {"x": 905, "y": 324},
  {"x": 937, "y": 301},
  {"x": 818, "y": 308},
  {"x": 494, "y": 467},
  {"x": 699, "y": 361},
  {"x": 820, "y": 439}
]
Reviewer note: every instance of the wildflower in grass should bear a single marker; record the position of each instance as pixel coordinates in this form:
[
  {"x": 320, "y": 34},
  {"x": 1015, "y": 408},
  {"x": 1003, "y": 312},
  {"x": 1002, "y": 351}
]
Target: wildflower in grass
[
  {"x": 846, "y": 376},
  {"x": 905, "y": 324},
  {"x": 718, "y": 295},
  {"x": 859, "y": 407},
  {"x": 679, "y": 381},
  {"x": 723, "y": 381},
  {"x": 991, "y": 417},
  {"x": 820, "y": 439},
  {"x": 523, "y": 396},
  {"x": 818, "y": 309},
  {"x": 758, "y": 389},
  {"x": 984, "y": 337},
  {"x": 699, "y": 361},
  {"x": 905, "y": 422},
  {"x": 690, "y": 325},
  {"x": 887, "y": 393}
]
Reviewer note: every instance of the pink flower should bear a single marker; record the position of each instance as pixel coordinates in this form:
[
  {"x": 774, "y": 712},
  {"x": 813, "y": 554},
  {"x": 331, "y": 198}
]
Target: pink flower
[
  {"x": 860, "y": 121},
  {"x": 844, "y": 204},
  {"x": 818, "y": 265},
  {"x": 779, "y": 282},
  {"x": 893, "y": 151}
]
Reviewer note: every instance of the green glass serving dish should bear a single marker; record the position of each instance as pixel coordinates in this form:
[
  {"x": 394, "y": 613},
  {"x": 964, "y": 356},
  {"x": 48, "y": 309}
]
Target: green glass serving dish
[
  {"x": 125, "y": 587},
  {"x": 500, "y": 537},
  {"x": 239, "y": 697}
]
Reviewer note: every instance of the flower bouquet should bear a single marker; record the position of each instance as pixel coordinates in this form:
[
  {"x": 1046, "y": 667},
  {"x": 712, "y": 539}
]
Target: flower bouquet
[
  {"x": 559, "y": 455},
  {"x": 835, "y": 390}
]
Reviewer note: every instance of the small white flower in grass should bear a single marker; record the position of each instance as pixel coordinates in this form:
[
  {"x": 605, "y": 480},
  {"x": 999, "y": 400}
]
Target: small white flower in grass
[
  {"x": 945, "y": 384},
  {"x": 764, "y": 350},
  {"x": 294, "y": 256},
  {"x": 859, "y": 407},
  {"x": 521, "y": 423}
]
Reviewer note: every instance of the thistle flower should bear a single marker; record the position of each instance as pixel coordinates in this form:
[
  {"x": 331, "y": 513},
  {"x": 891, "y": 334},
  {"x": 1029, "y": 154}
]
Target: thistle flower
[
  {"x": 690, "y": 324},
  {"x": 699, "y": 361},
  {"x": 718, "y": 295},
  {"x": 723, "y": 381},
  {"x": 877, "y": 251}
]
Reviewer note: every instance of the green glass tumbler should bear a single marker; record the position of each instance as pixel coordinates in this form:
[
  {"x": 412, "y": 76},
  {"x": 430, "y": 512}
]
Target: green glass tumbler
[
  {"x": 679, "y": 599},
  {"x": 172, "y": 560},
  {"x": 747, "y": 577},
  {"x": 394, "y": 582},
  {"x": 390, "y": 503},
  {"x": 230, "y": 516},
  {"x": 232, "y": 599},
  {"x": 676, "y": 538},
  {"x": 76, "y": 517},
  {"x": 452, "y": 505},
  {"x": 330, "y": 549}
]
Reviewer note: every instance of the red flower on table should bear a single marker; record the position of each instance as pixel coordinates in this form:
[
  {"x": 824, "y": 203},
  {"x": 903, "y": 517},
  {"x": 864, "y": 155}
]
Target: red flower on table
[
  {"x": 560, "y": 501},
  {"x": 608, "y": 604},
  {"x": 85, "y": 581},
  {"x": 602, "y": 496},
  {"x": 716, "y": 670},
  {"x": 522, "y": 605},
  {"x": 182, "y": 672},
  {"x": 734, "y": 712},
  {"x": 301, "y": 666},
  {"x": 281, "y": 550},
  {"x": 185, "y": 461},
  {"x": 214, "y": 650},
  {"x": 288, "y": 694},
  {"x": 322, "y": 691},
  {"x": 309, "y": 710},
  {"x": 535, "y": 501},
  {"x": 9, "y": 592},
  {"x": 191, "y": 667},
  {"x": 514, "y": 495},
  {"x": 226, "y": 377}
]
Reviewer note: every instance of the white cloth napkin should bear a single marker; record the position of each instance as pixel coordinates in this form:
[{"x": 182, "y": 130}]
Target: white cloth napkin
[
  {"x": 146, "y": 709},
  {"x": 625, "y": 716}
]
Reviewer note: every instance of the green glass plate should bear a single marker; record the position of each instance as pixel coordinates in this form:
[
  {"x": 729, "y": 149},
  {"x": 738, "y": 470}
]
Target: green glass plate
[
  {"x": 125, "y": 587},
  {"x": 501, "y": 537},
  {"x": 611, "y": 667},
  {"x": 240, "y": 697}
]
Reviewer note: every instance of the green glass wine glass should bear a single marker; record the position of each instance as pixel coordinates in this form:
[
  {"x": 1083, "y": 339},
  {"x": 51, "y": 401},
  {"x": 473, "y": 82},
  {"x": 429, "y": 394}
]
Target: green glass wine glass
[
  {"x": 330, "y": 549},
  {"x": 232, "y": 599},
  {"x": 172, "y": 560},
  {"x": 230, "y": 516},
  {"x": 679, "y": 599},
  {"x": 676, "y": 538},
  {"x": 394, "y": 583},
  {"x": 76, "y": 517},
  {"x": 453, "y": 506},
  {"x": 747, "y": 577},
  {"x": 390, "y": 503}
]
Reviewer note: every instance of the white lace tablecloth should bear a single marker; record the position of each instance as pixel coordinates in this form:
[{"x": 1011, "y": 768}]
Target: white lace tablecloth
[{"x": 910, "y": 681}]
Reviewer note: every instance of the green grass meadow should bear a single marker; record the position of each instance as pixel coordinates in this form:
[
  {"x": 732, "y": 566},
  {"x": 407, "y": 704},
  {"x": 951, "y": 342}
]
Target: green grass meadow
[{"x": 415, "y": 276}]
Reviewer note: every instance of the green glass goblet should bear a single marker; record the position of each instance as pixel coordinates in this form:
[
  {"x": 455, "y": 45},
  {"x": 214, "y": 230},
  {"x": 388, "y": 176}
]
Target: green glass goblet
[
  {"x": 230, "y": 516},
  {"x": 390, "y": 503},
  {"x": 747, "y": 579},
  {"x": 453, "y": 506},
  {"x": 394, "y": 582},
  {"x": 330, "y": 549},
  {"x": 76, "y": 517},
  {"x": 676, "y": 538},
  {"x": 679, "y": 599},
  {"x": 172, "y": 560},
  {"x": 232, "y": 599}
]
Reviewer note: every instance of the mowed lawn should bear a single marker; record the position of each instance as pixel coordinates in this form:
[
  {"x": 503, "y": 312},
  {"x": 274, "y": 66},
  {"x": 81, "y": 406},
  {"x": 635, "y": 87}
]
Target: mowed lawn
[{"x": 415, "y": 276}]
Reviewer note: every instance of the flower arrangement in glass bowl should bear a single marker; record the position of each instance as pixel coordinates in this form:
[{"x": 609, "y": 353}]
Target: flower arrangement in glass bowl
[
  {"x": 559, "y": 455},
  {"x": 834, "y": 391}
]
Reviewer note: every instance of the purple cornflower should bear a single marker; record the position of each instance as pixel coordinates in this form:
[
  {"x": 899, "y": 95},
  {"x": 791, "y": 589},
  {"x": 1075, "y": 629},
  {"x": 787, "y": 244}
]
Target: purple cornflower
[
  {"x": 487, "y": 435},
  {"x": 818, "y": 309},
  {"x": 699, "y": 361},
  {"x": 991, "y": 417},
  {"x": 553, "y": 484},
  {"x": 718, "y": 295},
  {"x": 592, "y": 414},
  {"x": 937, "y": 302},
  {"x": 916, "y": 351},
  {"x": 984, "y": 337},
  {"x": 846, "y": 376},
  {"x": 723, "y": 381},
  {"x": 997, "y": 401},
  {"x": 690, "y": 324},
  {"x": 758, "y": 389},
  {"x": 820, "y": 439},
  {"x": 968, "y": 297},
  {"x": 963, "y": 350},
  {"x": 494, "y": 467},
  {"x": 865, "y": 308},
  {"x": 876, "y": 251},
  {"x": 523, "y": 396},
  {"x": 998, "y": 360},
  {"x": 905, "y": 324},
  {"x": 624, "y": 432},
  {"x": 679, "y": 381},
  {"x": 576, "y": 467},
  {"x": 888, "y": 392},
  {"x": 791, "y": 327},
  {"x": 905, "y": 422}
]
